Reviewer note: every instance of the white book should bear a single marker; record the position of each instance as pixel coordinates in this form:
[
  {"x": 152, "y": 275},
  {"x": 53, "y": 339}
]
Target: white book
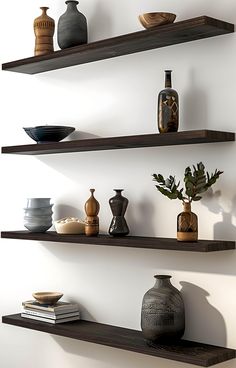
[
  {"x": 49, "y": 320},
  {"x": 58, "y": 308},
  {"x": 49, "y": 315}
]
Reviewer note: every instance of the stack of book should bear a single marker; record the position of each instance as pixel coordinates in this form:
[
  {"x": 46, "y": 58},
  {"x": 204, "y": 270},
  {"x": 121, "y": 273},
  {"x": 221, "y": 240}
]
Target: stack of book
[{"x": 59, "y": 313}]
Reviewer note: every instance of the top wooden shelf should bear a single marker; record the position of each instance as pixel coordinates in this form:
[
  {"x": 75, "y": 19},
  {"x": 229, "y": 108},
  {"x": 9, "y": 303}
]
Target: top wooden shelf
[
  {"x": 171, "y": 34},
  {"x": 114, "y": 143}
]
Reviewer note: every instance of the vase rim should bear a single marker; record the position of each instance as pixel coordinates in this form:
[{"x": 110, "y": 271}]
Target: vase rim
[
  {"x": 162, "y": 277},
  {"x": 118, "y": 190},
  {"x": 72, "y": 1}
]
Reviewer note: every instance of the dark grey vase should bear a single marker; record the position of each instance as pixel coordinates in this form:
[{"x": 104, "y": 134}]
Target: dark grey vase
[
  {"x": 163, "y": 316},
  {"x": 72, "y": 27},
  {"x": 118, "y": 205}
]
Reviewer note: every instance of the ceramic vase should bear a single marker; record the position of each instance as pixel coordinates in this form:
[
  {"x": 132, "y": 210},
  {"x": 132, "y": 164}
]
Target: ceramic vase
[
  {"x": 92, "y": 208},
  {"x": 44, "y": 28},
  {"x": 118, "y": 205},
  {"x": 187, "y": 225},
  {"x": 168, "y": 107},
  {"x": 163, "y": 315},
  {"x": 38, "y": 215},
  {"x": 72, "y": 27}
]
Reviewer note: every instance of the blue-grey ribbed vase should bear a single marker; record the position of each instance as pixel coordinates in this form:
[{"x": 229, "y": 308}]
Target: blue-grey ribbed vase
[
  {"x": 72, "y": 27},
  {"x": 163, "y": 316}
]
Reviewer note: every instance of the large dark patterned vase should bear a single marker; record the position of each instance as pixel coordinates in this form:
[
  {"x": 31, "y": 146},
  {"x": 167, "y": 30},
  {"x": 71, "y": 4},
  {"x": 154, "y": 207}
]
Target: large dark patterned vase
[
  {"x": 72, "y": 27},
  {"x": 162, "y": 317},
  {"x": 118, "y": 205}
]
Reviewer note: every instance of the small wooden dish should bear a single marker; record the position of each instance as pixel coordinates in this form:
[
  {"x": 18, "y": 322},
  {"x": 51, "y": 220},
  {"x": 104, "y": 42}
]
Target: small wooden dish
[
  {"x": 155, "y": 19},
  {"x": 47, "y": 297}
]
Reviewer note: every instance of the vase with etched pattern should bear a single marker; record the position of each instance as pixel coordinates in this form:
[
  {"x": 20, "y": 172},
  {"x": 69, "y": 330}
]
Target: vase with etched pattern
[
  {"x": 44, "y": 28},
  {"x": 163, "y": 315},
  {"x": 168, "y": 107},
  {"x": 187, "y": 225}
]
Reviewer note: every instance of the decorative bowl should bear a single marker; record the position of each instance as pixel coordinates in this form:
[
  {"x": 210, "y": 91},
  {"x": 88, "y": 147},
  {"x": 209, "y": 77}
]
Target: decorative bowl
[
  {"x": 49, "y": 133},
  {"x": 155, "y": 19},
  {"x": 47, "y": 297},
  {"x": 70, "y": 225}
]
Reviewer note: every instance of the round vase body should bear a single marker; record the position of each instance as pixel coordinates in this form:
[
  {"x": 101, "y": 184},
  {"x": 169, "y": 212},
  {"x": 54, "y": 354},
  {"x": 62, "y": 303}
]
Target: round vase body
[
  {"x": 187, "y": 225},
  {"x": 72, "y": 27},
  {"x": 44, "y": 28},
  {"x": 163, "y": 316},
  {"x": 118, "y": 205}
]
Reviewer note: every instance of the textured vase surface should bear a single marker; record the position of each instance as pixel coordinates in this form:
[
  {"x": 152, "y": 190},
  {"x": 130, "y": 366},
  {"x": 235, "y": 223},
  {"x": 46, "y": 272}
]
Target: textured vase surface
[
  {"x": 118, "y": 205},
  {"x": 44, "y": 28},
  {"x": 187, "y": 225},
  {"x": 72, "y": 27},
  {"x": 162, "y": 316},
  {"x": 38, "y": 215}
]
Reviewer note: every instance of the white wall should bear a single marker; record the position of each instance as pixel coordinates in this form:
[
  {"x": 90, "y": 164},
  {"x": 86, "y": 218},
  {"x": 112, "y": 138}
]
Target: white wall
[{"x": 110, "y": 98}]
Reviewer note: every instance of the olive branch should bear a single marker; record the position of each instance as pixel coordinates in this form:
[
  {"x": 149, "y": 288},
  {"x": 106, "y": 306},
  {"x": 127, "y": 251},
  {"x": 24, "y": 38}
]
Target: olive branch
[{"x": 196, "y": 180}]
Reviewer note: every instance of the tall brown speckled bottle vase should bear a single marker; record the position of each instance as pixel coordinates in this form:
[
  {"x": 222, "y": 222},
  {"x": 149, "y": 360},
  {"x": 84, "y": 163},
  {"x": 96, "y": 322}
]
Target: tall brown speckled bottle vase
[{"x": 44, "y": 28}]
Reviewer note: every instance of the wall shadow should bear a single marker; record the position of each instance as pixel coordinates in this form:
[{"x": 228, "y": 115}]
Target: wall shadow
[
  {"x": 62, "y": 210},
  {"x": 223, "y": 229},
  {"x": 207, "y": 322},
  {"x": 79, "y": 134},
  {"x": 194, "y": 100},
  {"x": 144, "y": 209}
]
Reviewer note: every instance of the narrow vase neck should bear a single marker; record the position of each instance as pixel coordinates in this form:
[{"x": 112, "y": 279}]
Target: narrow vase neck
[
  {"x": 187, "y": 207},
  {"x": 118, "y": 191},
  {"x": 168, "y": 83},
  {"x": 92, "y": 191},
  {"x": 72, "y": 5},
  {"x": 44, "y": 10},
  {"x": 162, "y": 280}
]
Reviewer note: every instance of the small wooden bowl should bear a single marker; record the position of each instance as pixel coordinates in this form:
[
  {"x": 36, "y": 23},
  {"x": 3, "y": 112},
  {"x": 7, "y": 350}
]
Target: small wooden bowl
[
  {"x": 47, "y": 297},
  {"x": 155, "y": 19}
]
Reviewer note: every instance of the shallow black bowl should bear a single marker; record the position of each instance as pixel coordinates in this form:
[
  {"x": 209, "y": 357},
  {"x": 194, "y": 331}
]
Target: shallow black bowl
[{"x": 49, "y": 133}]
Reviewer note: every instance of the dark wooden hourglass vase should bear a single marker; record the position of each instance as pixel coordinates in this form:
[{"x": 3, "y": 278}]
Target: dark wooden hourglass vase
[{"x": 118, "y": 205}]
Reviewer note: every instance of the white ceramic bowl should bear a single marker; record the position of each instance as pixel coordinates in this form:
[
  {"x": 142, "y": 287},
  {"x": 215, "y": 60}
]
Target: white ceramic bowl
[{"x": 70, "y": 225}]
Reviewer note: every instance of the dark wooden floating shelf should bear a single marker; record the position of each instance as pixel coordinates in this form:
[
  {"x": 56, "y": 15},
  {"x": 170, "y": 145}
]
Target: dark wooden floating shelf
[
  {"x": 127, "y": 241},
  {"x": 122, "y": 338},
  {"x": 171, "y": 34},
  {"x": 114, "y": 143}
]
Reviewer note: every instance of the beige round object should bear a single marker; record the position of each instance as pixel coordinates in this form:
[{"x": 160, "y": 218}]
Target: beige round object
[
  {"x": 155, "y": 19},
  {"x": 47, "y": 297},
  {"x": 69, "y": 225}
]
